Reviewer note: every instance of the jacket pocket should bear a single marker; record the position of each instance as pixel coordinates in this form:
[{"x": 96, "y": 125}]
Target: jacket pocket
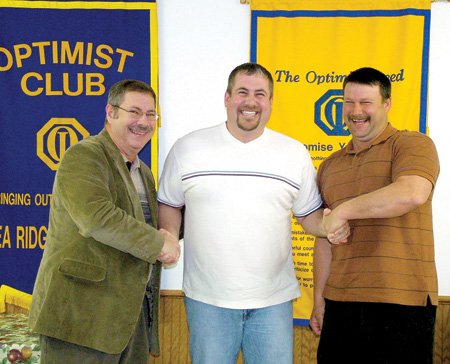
[{"x": 82, "y": 270}]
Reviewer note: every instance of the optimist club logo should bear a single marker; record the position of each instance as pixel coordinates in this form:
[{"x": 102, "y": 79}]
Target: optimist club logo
[
  {"x": 328, "y": 115},
  {"x": 55, "y": 137}
]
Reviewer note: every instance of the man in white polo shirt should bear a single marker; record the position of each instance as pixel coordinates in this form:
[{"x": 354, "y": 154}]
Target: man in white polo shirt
[{"x": 239, "y": 183}]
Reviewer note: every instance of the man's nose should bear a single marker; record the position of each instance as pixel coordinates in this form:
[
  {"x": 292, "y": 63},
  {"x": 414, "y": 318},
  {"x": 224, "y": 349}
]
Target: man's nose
[
  {"x": 357, "y": 109},
  {"x": 250, "y": 99}
]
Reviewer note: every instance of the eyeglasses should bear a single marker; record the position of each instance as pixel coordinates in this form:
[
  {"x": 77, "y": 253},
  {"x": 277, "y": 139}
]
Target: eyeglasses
[{"x": 136, "y": 114}]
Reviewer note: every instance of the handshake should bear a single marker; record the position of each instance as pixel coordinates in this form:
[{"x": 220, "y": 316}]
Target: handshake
[
  {"x": 170, "y": 251},
  {"x": 337, "y": 229}
]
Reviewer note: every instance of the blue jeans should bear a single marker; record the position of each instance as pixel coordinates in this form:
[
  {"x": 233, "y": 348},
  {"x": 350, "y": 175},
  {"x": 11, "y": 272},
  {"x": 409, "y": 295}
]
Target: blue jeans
[{"x": 216, "y": 334}]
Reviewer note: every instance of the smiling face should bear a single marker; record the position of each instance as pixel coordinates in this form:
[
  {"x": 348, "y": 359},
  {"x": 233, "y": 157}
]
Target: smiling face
[
  {"x": 131, "y": 134},
  {"x": 249, "y": 105},
  {"x": 365, "y": 112}
]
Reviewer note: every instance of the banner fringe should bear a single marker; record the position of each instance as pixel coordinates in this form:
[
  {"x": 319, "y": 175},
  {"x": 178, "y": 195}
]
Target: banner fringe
[{"x": 12, "y": 296}]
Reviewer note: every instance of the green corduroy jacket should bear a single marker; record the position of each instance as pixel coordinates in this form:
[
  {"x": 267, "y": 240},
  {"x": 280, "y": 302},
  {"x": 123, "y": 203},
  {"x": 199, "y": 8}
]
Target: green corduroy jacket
[{"x": 99, "y": 251}]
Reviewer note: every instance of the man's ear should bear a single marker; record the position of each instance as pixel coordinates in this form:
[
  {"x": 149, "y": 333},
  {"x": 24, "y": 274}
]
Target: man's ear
[
  {"x": 387, "y": 104},
  {"x": 110, "y": 110},
  {"x": 226, "y": 98}
]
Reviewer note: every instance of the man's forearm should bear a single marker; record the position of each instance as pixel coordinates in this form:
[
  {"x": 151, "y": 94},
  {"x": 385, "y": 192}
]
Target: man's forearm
[
  {"x": 169, "y": 218},
  {"x": 312, "y": 223},
  {"x": 396, "y": 199},
  {"x": 322, "y": 265},
  {"x": 322, "y": 261}
]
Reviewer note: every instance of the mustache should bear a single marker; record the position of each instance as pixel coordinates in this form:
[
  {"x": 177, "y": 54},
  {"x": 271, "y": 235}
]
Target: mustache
[{"x": 140, "y": 128}]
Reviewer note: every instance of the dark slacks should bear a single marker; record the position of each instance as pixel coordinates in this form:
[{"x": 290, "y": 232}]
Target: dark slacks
[
  {"x": 54, "y": 351},
  {"x": 375, "y": 333}
]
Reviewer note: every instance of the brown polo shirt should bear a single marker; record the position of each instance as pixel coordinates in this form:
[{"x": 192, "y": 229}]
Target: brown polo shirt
[{"x": 387, "y": 260}]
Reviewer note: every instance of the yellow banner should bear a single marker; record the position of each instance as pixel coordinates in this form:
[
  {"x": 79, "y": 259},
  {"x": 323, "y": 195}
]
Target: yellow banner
[{"x": 309, "y": 47}]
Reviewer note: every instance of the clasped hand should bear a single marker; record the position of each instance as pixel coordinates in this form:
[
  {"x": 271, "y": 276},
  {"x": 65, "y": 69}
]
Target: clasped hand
[
  {"x": 170, "y": 251},
  {"x": 337, "y": 230}
]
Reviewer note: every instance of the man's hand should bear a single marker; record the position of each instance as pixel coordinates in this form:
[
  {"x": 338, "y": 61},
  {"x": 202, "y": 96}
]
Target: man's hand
[
  {"x": 171, "y": 248},
  {"x": 337, "y": 230},
  {"x": 316, "y": 320}
]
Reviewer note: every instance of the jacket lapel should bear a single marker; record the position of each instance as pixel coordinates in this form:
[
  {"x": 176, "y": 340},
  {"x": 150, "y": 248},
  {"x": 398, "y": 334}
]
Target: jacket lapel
[{"x": 124, "y": 173}]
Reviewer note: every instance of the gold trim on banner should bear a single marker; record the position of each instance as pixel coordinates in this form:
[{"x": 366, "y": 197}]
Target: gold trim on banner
[{"x": 246, "y": 2}]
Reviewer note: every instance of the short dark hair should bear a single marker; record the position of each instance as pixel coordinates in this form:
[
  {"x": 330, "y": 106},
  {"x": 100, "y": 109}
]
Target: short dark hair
[
  {"x": 250, "y": 69},
  {"x": 119, "y": 89},
  {"x": 370, "y": 76}
]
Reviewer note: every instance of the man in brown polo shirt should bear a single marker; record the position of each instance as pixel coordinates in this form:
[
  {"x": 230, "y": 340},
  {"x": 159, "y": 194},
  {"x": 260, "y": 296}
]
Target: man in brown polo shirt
[{"x": 375, "y": 297}]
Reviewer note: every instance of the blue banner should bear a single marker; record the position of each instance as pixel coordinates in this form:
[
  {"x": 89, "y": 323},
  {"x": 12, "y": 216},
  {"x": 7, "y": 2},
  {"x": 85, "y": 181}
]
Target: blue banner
[{"x": 57, "y": 63}]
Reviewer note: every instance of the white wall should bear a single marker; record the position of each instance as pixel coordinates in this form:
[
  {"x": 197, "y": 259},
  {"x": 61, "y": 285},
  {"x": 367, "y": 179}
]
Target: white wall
[
  {"x": 439, "y": 125},
  {"x": 201, "y": 41}
]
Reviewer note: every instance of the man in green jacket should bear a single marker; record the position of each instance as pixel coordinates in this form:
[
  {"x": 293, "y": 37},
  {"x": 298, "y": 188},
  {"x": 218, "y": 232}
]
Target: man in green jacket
[{"x": 96, "y": 294}]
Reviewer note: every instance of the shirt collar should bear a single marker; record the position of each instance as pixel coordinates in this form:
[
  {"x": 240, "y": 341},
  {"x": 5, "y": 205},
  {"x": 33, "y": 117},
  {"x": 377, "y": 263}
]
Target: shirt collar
[
  {"x": 386, "y": 134},
  {"x": 134, "y": 165}
]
